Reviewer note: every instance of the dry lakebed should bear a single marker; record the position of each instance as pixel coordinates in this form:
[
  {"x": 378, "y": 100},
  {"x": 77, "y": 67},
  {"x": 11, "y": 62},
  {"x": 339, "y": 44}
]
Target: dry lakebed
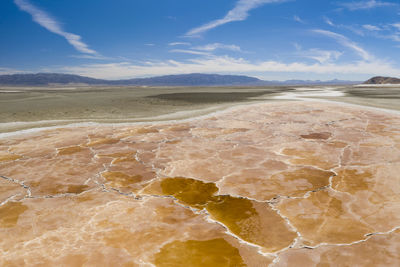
[{"x": 269, "y": 183}]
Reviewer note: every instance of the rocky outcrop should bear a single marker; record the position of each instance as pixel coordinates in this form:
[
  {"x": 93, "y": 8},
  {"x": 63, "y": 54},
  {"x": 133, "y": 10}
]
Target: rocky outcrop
[{"x": 383, "y": 80}]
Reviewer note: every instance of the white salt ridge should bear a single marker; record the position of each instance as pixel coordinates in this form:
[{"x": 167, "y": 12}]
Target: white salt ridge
[{"x": 308, "y": 95}]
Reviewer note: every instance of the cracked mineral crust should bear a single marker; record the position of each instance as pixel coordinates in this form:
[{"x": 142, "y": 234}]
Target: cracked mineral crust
[{"x": 276, "y": 184}]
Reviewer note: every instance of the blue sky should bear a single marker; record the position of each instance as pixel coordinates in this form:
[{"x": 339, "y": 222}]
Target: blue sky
[{"x": 269, "y": 39}]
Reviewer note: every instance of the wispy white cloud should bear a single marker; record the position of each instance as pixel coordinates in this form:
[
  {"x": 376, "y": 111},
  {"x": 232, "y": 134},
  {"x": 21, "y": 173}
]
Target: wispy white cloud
[
  {"x": 394, "y": 37},
  {"x": 89, "y": 56},
  {"x": 49, "y": 23},
  {"x": 297, "y": 46},
  {"x": 396, "y": 25},
  {"x": 353, "y": 28},
  {"x": 5, "y": 71},
  {"x": 298, "y": 19},
  {"x": 149, "y": 44},
  {"x": 341, "y": 39},
  {"x": 319, "y": 55},
  {"x": 179, "y": 43},
  {"x": 215, "y": 46},
  {"x": 328, "y": 21},
  {"x": 384, "y": 31},
  {"x": 239, "y": 13},
  {"x": 371, "y": 27},
  {"x": 322, "y": 56},
  {"x": 366, "y": 4},
  {"x": 225, "y": 64},
  {"x": 188, "y": 51}
]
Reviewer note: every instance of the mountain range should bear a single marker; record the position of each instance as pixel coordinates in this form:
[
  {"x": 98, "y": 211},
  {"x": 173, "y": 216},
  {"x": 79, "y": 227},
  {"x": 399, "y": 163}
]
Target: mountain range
[{"x": 194, "y": 79}]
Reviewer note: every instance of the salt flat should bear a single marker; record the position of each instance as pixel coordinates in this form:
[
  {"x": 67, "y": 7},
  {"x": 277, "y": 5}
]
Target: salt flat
[{"x": 299, "y": 183}]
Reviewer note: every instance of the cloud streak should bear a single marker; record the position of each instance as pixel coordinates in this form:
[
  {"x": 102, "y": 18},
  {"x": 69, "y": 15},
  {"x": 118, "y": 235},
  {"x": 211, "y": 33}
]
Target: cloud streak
[
  {"x": 396, "y": 25},
  {"x": 322, "y": 56},
  {"x": 366, "y": 5},
  {"x": 341, "y": 39},
  {"x": 239, "y": 13},
  {"x": 371, "y": 27},
  {"x": 188, "y": 51},
  {"x": 298, "y": 19},
  {"x": 6, "y": 71},
  {"x": 46, "y": 21},
  {"x": 216, "y": 46},
  {"x": 179, "y": 43}
]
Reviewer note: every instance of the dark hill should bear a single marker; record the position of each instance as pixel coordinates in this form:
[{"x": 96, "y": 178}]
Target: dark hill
[{"x": 383, "y": 80}]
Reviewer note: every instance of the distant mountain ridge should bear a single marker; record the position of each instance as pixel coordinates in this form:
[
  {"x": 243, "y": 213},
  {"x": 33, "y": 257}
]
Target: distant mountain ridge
[
  {"x": 46, "y": 79},
  {"x": 383, "y": 80},
  {"x": 194, "y": 79}
]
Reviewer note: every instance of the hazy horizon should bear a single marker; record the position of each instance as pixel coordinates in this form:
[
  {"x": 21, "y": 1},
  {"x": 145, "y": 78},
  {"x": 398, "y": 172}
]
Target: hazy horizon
[{"x": 177, "y": 74}]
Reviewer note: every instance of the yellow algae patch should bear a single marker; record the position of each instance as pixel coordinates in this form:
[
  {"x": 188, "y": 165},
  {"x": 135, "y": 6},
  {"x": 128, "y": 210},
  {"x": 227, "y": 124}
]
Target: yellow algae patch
[
  {"x": 337, "y": 144},
  {"x": 323, "y": 136},
  {"x": 103, "y": 141},
  {"x": 10, "y": 212},
  {"x": 121, "y": 179},
  {"x": 253, "y": 222},
  {"x": 321, "y": 218},
  {"x": 173, "y": 142},
  {"x": 83, "y": 198},
  {"x": 177, "y": 128},
  {"x": 240, "y": 215},
  {"x": 193, "y": 253},
  {"x": 77, "y": 189},
  {"x": 144, "y": 131},
  {"x": 117, "y": 155},
  {"x": 8, "y": 157},
  {"x": 52, "y": 189},
  {"x": 192, "y": 192},
  {"x": 351, "y": 180},
  {"x": 124, "y": 159},
  {"x": 69, "y": 150}
]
